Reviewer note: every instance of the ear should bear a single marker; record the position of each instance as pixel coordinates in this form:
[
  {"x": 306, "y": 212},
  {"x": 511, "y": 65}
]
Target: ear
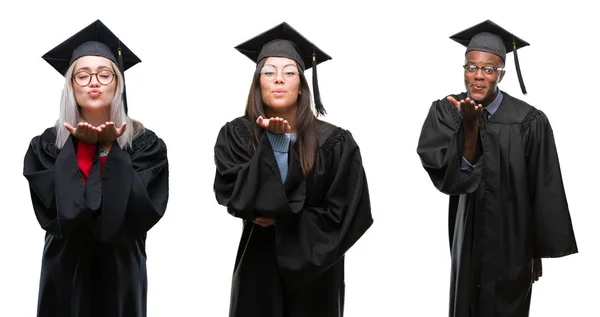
[{"x": 501, "y": 75}]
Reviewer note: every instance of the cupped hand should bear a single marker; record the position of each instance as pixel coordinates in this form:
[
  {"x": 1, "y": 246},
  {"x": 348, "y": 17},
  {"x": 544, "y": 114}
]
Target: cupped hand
[
  {"x": 84, "y": 132},
  {"x": 274, "y": 125}
]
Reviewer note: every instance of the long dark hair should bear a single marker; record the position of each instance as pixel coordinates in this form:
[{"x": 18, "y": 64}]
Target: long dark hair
[{"x": 305, "y": 121}]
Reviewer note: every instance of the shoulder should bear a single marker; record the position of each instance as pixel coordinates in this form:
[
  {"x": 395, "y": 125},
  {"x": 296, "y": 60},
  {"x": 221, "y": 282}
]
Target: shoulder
[
  {"x": 239, "y": 128},
  {"x": 507, "y": 98},
  {"x": 528, "y": 115},
  {"x": 146, "y": 139},
  {"x": 48, "y": 136},
  {"x": 332, "y": 137},
  {"x": 516, "y": 111},
  {"x": 46, "y": 141}
]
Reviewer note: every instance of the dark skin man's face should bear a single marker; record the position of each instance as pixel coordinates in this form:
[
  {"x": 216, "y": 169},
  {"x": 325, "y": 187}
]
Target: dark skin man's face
[{"x": 481, "y": 85}]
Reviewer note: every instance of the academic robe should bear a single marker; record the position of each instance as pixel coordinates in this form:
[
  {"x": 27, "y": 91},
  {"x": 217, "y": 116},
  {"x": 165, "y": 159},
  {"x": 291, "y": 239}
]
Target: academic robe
[
  {"x": 511, "y": 209},
  {"x": 94, "y": 260},
  {"x": 296, "y": 267}
]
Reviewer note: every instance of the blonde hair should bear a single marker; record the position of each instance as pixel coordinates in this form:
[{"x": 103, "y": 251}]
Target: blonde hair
[{"x": 69, "y": 111}]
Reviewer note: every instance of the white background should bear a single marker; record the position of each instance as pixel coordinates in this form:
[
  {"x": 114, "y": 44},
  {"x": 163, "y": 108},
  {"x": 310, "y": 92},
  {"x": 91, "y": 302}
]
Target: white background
[{"x": 389, "y": 63}]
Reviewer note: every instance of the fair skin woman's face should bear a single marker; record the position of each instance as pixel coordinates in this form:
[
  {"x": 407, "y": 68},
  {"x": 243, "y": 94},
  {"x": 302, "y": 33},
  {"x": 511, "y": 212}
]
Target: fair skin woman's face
[
  {"x": 280, "y": 84},
  {"x": 98, "y": 93}
]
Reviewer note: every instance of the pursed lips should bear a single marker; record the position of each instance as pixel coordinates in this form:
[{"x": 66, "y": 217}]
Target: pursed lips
[{"x": 94, "y": 93}]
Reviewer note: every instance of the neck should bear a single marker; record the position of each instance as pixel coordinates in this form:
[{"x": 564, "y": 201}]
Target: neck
[
  {"x": 96, "y": 117},
  {"x": 288, "y": 114},
  {"x": 491, "y": 99}
]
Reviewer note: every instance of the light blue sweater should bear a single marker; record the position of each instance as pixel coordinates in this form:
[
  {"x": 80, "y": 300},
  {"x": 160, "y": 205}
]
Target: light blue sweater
[{"x": 281, "y": 147}]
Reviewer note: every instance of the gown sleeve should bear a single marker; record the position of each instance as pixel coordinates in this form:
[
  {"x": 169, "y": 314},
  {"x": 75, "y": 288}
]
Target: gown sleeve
[
  {"x": 250, "y": 184},
  {"x": 120, "y": 204},
  {"x": 55, "y": 185},
  {"x": 440, "y": 149},
  {"x": 321, "y": 233},
  {"x": 553, "y": 230}
]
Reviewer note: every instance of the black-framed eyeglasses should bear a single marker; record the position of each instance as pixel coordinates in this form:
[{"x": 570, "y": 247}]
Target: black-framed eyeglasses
[
  {"x": 488, "y": 70},
  {"x": 83, "y": 78}
]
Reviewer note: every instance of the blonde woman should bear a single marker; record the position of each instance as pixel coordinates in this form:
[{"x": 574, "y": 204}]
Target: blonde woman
[{"x": 98, "y": 181}]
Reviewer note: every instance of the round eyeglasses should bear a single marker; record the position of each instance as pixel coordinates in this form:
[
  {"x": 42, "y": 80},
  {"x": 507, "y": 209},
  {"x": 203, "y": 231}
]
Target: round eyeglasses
[
  {"x": 269, "y": 72},
  {"x": 488, "y": 70},
  {"x": 83, "y": 78}
]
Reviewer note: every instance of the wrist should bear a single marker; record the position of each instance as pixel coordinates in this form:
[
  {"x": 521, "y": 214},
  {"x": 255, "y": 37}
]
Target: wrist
[
  {"x": 104, "y": 146},
  {"x": 470, "y": 127}
]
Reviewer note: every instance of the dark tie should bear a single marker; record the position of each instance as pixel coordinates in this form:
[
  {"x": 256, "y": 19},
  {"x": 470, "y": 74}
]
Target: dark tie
[{"x": 485, "y": 115}]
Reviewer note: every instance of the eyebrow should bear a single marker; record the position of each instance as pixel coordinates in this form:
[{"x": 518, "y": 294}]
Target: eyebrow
[
  {"x": 283, "y": 66},
  {"x": 485, "y": 64},
  {"x": 99, "y": 68}
]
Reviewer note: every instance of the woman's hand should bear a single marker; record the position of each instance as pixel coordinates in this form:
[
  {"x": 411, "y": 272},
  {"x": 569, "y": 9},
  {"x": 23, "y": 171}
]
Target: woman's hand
[
  {"x": 274, "y": 125},
  {"x": 84, "y": 132},
  {"x": 108, "y": 133},
  {"x": 264, "y": 221}
]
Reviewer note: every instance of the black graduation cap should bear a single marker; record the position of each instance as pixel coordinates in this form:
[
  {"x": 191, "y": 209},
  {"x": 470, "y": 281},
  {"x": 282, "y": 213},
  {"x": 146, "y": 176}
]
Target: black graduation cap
[
  {"x": 284, "y": 41},
  {"x": 94, "y": 40},
  {"x": 489, "y": 37}
]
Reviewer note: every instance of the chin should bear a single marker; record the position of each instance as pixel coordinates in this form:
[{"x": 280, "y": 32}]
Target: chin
[
  {"x": 95, "y": 105},
  {"x": 280, "y": 105},
  {"x": 478, "y": 95}
]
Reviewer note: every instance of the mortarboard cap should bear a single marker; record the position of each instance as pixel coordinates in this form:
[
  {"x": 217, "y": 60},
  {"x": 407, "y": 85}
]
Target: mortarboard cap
[
  {"x": 488, "y": 36},
  {"x": 284, "y": 41},
  {"x": 94, "y": 40}
]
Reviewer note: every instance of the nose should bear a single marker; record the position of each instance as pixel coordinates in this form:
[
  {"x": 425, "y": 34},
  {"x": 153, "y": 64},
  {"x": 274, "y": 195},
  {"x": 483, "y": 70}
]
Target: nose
[
  {"x": 94, "y": 81},
  {"x": 479, "y": 74},
  {"x": 279, "y": 77}
]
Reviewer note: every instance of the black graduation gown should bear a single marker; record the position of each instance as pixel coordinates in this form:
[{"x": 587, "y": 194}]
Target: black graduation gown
[
  {"x": 94, "y": 260},
  {"x": 295, "y": 268},
  {"x": 513, "y": 208}
]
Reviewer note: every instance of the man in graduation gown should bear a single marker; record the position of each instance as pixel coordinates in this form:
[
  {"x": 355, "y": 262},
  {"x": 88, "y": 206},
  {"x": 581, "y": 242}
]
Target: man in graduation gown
[{"x": 495, "y": 156}]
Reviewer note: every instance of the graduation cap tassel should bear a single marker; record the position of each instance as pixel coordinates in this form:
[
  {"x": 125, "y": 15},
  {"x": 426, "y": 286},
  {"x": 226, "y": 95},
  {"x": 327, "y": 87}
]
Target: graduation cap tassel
[
  {"x": 518, "y": 68},
  {"x": 318, "y": 105},
  {"x": 122, "y": 69}
]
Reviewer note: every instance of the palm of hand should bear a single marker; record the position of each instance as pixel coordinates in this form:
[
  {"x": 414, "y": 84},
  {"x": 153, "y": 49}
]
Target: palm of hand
[{"x": 274, "y": 125}]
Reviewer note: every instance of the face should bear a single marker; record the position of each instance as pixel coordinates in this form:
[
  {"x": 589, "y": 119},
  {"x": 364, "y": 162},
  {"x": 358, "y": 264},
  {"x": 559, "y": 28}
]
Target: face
[
  {"x": 280, "y": 83},
  {"x": 480, "y": 84},
  {"x": 98, "y": 90}
]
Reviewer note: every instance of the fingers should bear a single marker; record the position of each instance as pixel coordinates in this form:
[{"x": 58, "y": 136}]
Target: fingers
[
  {"x": 122, "y": 129},
  {"x": 262, "y": 122},
  {"x": 455, "y": 103},
  {"x": 264, "y": 221},
  {"x": 275, "y": 125},
  {"x": 278, "y": 125},
  {"x": 536, "y": 276},
  {"x": 69, "y": 127},
  {"x": 261, "y": 223}
]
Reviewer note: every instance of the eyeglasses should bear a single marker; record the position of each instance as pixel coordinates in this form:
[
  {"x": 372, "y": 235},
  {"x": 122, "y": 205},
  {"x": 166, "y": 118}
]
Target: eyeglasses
[
  {"x": 488, "y": 70},
  {"x": 269, "y": 72},
  {"x": 83, "y": 78}
]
